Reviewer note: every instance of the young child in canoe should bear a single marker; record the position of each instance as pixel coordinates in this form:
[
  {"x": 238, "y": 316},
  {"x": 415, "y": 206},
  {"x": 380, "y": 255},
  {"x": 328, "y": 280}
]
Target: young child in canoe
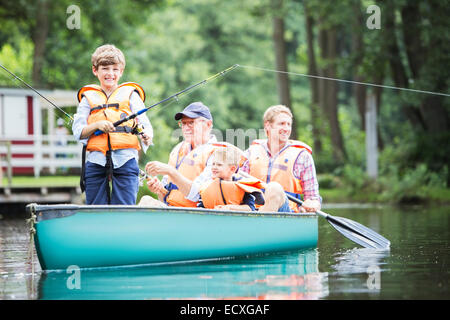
[
  {"x": 113, "y": 155},
  {"x": 227, "y": 190}
]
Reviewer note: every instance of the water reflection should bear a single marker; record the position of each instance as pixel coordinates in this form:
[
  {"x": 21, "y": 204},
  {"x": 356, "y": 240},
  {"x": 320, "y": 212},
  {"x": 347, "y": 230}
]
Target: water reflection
[
  {"x": 359, "y": 260},
  {"x": 18, "y": 276},
  {"x": 416, "y": 267},
  {"x": 359, "y": 270},
  {"x": 292, "y": 275}
]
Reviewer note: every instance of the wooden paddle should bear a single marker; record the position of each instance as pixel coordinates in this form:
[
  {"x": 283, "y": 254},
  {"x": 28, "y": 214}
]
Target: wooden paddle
[{"x": 348, "y": 228}]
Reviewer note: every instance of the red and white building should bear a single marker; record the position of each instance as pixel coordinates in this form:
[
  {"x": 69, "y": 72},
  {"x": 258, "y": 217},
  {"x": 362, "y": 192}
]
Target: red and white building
[{"x": 22, "y": 137}]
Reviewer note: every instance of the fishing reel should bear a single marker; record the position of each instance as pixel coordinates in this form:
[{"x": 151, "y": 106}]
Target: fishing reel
[
  {"x": 142, "y": 176},
  {"x": 138, "y": 129}
]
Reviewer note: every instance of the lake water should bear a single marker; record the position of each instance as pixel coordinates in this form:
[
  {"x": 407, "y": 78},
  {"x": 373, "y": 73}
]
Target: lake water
[{"x": 416, "y": 267}]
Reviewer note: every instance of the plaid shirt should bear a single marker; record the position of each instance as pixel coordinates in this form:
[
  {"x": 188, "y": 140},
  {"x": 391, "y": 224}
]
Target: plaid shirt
[{"x": 304, "y": 170}]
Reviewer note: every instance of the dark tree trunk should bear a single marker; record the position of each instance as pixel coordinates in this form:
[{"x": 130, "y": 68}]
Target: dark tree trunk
[
  {"x": 39, "y": 39},
  {"x": 432, "y": 110},
  {"x": 281, "y": 60},
  {"x": 359, "y": 91},
  {"x": 328, "y": 90},
  {"x": 411, "y": 35},
  {"x": 314, "y": 83},
  {"x": 397, "y": 68},
  {"x": 378, "y": 91},
  {"x": 322, "y": 83},
  {"x": 336, "y": 134}
]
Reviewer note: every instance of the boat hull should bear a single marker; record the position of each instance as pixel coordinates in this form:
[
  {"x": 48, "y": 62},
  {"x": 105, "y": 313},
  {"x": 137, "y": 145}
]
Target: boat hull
[{"x": 105, "y": 236}]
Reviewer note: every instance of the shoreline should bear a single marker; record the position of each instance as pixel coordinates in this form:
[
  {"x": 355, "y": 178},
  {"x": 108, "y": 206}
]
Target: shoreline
[{"x": 429, "y": 196}]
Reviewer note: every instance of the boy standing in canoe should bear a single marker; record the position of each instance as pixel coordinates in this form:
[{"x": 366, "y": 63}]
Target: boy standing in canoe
[
  {"x": 287, "y": 162},
  {"x": 113, "y": 154}
]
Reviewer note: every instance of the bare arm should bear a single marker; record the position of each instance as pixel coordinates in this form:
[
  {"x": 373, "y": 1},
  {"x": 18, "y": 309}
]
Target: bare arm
[
  {"x": 183, "y": 183},
  {"x": 155, "y": 186},
  {"x": 158, "y": 168},
  {"x": 104, "y": 125}
]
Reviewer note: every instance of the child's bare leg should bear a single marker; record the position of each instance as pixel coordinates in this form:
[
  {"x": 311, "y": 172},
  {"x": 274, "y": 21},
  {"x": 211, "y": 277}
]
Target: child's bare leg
[
  {"x": 274, "y": 197},
  {"x": 148, "y": 201}
]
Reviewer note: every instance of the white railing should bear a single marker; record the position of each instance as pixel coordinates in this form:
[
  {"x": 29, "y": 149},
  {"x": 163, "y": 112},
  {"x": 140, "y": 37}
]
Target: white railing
[{"x": 46, "y": 153}]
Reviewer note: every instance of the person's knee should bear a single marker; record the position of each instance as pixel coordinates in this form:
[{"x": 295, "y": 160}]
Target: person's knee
[
  {"x": 274, "y": 193},
  {"x": 148, "y": 201},
  {"x": 145, "y": 201}
]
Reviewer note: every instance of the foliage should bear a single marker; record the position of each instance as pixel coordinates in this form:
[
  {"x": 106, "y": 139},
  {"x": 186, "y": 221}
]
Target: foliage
[
  {"x": 409, "y": 186},
  {"x": 394, "y": 185},
  {"x": 170, "y": 45},
  {"x": 19, "y": 58}
]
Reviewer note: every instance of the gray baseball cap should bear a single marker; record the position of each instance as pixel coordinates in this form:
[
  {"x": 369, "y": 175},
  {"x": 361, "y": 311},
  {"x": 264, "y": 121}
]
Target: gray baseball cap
[{"x": 195, "y": 110}]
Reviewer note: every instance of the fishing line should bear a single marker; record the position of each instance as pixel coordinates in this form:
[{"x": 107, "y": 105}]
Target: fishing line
[
  {"x": 179, "y": 97},
  {"x": 30, "y": 87},
  {"x": 346, "y": 81},
  {"x": 175, "y": 96}
]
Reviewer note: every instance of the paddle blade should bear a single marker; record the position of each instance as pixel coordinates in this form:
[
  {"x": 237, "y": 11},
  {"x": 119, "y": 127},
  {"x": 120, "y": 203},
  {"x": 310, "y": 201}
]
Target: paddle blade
[{"x": 358, "y": 233}]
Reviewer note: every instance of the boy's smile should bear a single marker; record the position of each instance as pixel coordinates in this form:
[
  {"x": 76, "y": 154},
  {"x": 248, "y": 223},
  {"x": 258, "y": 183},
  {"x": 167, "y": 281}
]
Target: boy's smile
[
  {"x": 221, "y": 170},
  {"x": 108, "y": 76}
]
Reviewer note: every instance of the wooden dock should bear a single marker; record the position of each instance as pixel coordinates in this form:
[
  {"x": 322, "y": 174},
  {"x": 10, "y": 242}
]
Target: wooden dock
[
  {"x": 40, "y": 194},
  {"x": 13, "y": 200}
]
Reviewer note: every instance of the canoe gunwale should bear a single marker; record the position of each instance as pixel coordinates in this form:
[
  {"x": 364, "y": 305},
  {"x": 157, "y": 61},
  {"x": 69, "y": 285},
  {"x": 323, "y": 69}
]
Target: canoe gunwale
[{"x": 47, "y": 212}]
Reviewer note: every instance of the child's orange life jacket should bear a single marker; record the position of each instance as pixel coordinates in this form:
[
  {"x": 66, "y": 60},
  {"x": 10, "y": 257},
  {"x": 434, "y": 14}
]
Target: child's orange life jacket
[
  {"x": 112, "y": 108},
  {"x": 222, "y": 192},
  {"x": 190, "y": 163}
]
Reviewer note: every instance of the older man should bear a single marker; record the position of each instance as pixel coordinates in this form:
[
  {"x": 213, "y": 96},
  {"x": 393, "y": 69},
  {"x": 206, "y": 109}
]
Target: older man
[
  {"x": 287, "y": 162},
  {"x": 189, "y": 162}
]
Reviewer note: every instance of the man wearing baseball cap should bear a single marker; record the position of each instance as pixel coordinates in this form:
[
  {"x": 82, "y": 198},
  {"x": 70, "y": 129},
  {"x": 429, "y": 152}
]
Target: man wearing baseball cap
[
  {"x": 195, "y": 110},
  {"x": 189, "y": 162}
]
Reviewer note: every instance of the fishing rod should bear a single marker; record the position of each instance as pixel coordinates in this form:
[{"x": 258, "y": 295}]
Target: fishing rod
[
  {"x": 16, "y": 77},
  {"x": 176, "y": 95}
]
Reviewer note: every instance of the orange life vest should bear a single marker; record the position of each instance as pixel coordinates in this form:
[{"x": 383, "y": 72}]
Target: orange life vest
[
  {"x": 279, "y": 168},
  {"x": 112, "y": 108},
  {"x": 190, "y": 163},
  {"x": 221, "y": 192}
]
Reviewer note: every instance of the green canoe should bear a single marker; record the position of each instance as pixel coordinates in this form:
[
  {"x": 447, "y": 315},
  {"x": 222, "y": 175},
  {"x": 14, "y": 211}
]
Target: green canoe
[{"x": 105, "y": 236}]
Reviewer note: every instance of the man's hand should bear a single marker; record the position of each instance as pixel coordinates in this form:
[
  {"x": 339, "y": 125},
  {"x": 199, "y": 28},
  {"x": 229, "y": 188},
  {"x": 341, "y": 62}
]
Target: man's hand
[
  {"x": 310, "y": 206},
  {"x": 146, "y": 139},
  {"x": 154, "y": 168},
  {"x": 155, "y": 186}
]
